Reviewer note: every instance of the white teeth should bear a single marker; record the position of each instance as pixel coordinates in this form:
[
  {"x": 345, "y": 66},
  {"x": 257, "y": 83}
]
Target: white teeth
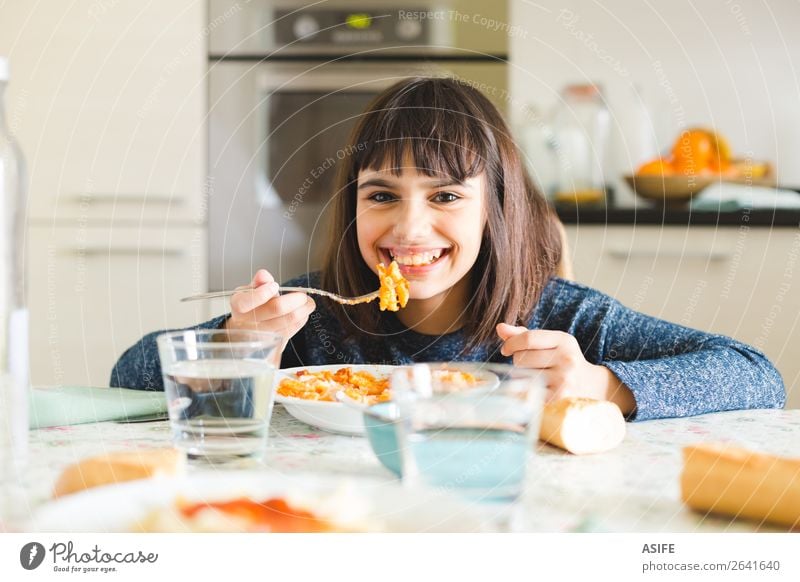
[{"x": 417, "y": 259}]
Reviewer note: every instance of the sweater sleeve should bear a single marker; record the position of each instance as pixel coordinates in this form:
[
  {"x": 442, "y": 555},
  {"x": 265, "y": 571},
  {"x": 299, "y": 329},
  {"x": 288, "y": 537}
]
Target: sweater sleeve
[
  {"x": 676, "y": 371},
  {"x": 140, "y": 366}
]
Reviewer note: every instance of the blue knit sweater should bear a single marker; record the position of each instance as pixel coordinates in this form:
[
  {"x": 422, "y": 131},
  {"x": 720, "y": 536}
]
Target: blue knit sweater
[{"x": 671, "y": 370}]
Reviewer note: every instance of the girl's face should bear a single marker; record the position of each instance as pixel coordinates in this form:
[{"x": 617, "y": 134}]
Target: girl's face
[{"x": 432, "y": 227}]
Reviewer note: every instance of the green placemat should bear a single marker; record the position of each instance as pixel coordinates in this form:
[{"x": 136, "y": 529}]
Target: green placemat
[{"x": 62, "y": 405}]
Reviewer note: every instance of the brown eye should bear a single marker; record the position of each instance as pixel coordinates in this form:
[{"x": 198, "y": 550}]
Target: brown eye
[
  {"x": 380, "y": 197},
  {"x": 446, "y": 197}
]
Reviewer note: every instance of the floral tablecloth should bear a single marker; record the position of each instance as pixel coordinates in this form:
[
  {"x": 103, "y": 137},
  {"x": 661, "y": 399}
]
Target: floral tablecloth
[{"x": 634, "y": 488}]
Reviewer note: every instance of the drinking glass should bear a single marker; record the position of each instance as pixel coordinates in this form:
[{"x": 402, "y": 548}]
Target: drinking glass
[
  {"x": 219, "y": 386},
  {"x": 472, "y": 432}
]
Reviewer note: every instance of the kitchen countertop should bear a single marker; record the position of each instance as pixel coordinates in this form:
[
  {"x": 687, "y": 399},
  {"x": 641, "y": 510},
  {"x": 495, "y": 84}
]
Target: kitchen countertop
[
  {"x": 730, "y": 205},
  {"x": 633, "y": 488}
]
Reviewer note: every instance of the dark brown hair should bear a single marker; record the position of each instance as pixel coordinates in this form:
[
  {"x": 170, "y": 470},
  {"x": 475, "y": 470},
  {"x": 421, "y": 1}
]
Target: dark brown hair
[{"x": 448, "y": 128}]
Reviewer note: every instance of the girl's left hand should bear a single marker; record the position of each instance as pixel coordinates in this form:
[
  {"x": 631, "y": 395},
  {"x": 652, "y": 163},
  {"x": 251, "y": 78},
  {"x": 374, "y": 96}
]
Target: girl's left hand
[{"x": 559, "y": 357}]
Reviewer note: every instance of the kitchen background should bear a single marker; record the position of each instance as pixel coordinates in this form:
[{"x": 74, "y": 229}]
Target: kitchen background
[{"x": 165, "y": 152}]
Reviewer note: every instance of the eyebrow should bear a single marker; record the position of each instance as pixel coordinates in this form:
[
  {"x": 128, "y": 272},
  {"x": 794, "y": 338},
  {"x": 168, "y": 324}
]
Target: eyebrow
[{"x": 381, "y": 183}]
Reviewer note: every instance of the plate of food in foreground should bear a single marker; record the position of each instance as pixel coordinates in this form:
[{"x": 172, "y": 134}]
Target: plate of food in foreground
[
  {"x": 242, "y": 501},
  {"x": 333, "y": 397}
]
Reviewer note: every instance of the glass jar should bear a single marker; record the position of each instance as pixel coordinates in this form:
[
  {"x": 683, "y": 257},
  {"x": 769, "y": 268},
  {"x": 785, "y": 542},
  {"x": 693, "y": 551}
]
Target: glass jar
[{"x": 580, "y": 129}]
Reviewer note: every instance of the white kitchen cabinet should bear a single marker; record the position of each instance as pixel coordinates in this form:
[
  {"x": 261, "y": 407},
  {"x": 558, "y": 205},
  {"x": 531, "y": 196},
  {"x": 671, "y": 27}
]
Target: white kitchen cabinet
[
  {"x": 743, "y": 282},
  {"x": 108, "y": 101},
  {"x": 95, "y": 291}
]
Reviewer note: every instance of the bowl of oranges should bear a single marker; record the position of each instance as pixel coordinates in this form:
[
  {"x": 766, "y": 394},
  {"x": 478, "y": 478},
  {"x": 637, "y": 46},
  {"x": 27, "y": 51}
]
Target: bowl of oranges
[{"x": 699, "y": 157}]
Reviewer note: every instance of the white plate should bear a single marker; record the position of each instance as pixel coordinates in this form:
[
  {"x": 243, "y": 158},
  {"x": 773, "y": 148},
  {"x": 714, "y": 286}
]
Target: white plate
[
  {"x": 347, "y": 418},
  {"x": 329, "y": 416},
  {"x": 377, "y": 505}
]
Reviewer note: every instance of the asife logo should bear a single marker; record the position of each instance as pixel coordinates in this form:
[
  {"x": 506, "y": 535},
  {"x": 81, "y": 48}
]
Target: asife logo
[{"x": 31, "y": 555}]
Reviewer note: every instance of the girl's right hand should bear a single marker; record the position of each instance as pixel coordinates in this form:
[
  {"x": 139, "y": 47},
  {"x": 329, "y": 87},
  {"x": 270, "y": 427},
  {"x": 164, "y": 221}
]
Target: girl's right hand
[{"x": 261, "y": 308}]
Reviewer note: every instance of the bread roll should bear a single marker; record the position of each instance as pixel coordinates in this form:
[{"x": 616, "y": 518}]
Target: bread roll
[
  {"x": 116, "y": 468},
  {"x": 730, "y": 480},
  {"x": 582, "y": 425}
]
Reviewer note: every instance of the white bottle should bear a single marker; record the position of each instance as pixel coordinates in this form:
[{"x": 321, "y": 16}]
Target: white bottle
[{"x": 14, "y": 383}]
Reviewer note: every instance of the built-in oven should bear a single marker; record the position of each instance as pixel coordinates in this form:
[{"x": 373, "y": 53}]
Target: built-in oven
[{"x": 286, "y": 86}]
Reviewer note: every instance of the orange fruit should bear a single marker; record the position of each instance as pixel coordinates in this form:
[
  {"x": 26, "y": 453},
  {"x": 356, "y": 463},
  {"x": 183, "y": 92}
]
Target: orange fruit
[
  {"x": 701, "y": 151},
  {"x": 657, "y": 167},
  {"x": 693, "y": 151}
]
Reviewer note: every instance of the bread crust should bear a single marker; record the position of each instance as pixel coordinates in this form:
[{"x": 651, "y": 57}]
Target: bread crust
[
  {"x": 117, "y": 467},
  {"x": 582, "y": 425},
  {"x": 730, "y": 480}
]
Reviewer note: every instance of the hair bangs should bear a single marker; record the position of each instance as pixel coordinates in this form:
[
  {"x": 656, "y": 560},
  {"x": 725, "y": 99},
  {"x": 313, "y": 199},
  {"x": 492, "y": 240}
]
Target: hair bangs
[{"x": 450, "y": 142}]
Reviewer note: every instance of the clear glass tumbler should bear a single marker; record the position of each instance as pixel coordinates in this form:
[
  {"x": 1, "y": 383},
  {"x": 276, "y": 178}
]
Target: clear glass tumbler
[
  {"x": 220, "y": 390},
  {"x": 468, "y": 428}
]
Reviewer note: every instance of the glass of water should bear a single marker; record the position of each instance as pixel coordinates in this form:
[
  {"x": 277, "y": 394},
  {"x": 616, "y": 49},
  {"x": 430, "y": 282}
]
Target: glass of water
[
  {"x": 468, "y": 428},
  {"x": 219, "y": 386}
]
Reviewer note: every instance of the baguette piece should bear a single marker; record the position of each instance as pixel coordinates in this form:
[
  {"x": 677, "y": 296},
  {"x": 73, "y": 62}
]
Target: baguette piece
[
  {"x": 730, "y": 480},
  {"x": 118, "y": 467},
  {"x": 582, "y": 425}
]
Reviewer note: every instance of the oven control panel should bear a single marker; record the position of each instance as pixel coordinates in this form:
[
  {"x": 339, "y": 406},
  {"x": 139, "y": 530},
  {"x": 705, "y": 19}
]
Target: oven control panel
[{"x": 385, "y": 27}]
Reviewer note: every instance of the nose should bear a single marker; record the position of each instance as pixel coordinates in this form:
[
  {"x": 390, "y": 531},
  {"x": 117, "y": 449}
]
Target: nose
[{"x": 412, "y": 221}]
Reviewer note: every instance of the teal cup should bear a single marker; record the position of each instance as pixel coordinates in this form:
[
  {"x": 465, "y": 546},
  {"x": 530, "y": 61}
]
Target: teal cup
[{"x": 380, "y": 422}]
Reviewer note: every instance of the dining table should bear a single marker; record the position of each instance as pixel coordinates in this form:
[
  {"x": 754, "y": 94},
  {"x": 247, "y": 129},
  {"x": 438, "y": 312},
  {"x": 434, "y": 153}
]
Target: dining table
[{"x": 633, "y": 488}]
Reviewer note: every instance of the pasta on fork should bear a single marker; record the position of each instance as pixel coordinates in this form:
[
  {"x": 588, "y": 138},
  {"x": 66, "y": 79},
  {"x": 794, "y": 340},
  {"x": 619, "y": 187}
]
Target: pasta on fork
[{"x": 394, "y": 287}]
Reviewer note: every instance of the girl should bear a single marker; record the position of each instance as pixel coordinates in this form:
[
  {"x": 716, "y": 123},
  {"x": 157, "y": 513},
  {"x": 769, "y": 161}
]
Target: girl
[{"x": 436, "y": 183}]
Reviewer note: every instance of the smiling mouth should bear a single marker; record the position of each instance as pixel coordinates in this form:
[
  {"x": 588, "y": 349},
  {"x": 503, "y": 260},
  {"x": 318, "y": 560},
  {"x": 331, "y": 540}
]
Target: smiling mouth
[{"x": 416, "y": 259}]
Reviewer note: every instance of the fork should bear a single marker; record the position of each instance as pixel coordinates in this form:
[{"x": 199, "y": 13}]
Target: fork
[{"x": 338, "y": 298}]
